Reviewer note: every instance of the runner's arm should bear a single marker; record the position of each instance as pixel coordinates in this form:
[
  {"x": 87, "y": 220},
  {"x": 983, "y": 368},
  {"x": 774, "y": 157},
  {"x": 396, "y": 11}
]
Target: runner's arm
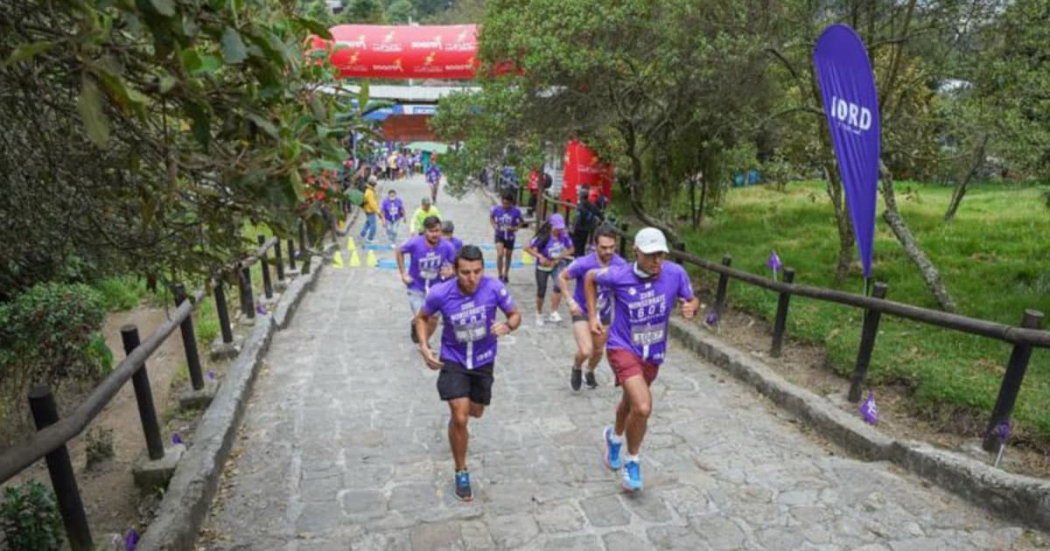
[
  {"x": 563, "y": 284},
  {"x": 422, "y": 320},
  {"x": 401, "y": 266},
  {"x": 590, "y": 288}
]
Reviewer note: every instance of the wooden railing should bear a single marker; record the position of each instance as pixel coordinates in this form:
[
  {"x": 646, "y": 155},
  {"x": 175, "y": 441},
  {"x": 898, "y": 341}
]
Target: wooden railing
[
  {"x": 1024, "y": 337},
  {"x": 49, "y": 442}
]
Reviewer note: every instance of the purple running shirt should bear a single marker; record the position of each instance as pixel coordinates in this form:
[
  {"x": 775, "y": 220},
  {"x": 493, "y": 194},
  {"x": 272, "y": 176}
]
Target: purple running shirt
[
  {"x": 466, "y": 335},
  {"x": 555, "y": 246},
  {"x": 506, "y": 219},
  {"x": 578, "y": 271},
  {"x": 425, "y": 263},
  {"x": 393, "y": 209},
  {"x": 642, "y": 308}
]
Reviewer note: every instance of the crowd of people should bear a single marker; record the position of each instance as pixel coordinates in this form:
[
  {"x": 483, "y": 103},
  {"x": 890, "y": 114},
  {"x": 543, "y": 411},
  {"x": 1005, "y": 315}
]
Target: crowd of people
[{"x": 617, "y": 308}]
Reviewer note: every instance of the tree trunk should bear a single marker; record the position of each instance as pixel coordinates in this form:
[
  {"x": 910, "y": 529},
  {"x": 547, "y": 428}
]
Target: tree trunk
[
  {"x": 703, "y": 198},
  {"x": 842, "y": 220},
  {"x": 929, "y": 272},
  {"x": 960, "y": 190},
  {"x": 634, "y": 186},
  {"x": 692, "y": 202}
]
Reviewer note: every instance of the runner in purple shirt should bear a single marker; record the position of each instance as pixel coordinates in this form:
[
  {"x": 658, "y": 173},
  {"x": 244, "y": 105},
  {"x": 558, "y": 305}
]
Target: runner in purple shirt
[
  {"x": 447, "y": 230},
  {"x": 434, "y": 181},
  {"x": 393, "y": 213},
  {"x": 467, "y": 305},
  {"x": 643, "y": 294},
  {"x": 505, "y": 219},
  {"x": 551, "y": 247},
  {"x": 431, "y": 261},
  {"x": 590, "y": 347}
]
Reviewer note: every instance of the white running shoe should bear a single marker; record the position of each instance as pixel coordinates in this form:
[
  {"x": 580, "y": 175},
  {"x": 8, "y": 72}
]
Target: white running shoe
[
  {"x": 555, "y": 317},
  {"x": 539, "y": 320}
]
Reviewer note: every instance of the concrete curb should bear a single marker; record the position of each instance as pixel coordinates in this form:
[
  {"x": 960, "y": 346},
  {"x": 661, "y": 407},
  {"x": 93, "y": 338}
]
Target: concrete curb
[
  {"x": 190, "y": 492},
  {"x": 1011, "y": 496},
  {"x": 294, "y": 294}
]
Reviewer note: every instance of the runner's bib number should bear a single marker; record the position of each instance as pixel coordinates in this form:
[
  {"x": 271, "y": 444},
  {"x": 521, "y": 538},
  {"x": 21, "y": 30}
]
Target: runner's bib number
[
  {"x": 471, "y": 331},
  {"x": 646, "y": 335}
]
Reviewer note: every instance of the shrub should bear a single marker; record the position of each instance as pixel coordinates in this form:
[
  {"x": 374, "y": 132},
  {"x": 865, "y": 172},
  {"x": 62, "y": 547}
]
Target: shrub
[
  {"x": 29, "y": 518},
  {"x": 120, "y": 293},
  {"x": 50, "y": 334},
  {"x": 99, "y": 446}
]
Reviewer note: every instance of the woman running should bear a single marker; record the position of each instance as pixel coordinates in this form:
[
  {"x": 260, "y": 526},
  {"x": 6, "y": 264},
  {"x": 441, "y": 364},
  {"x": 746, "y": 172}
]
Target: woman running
[{"x": 551, "y": 247}]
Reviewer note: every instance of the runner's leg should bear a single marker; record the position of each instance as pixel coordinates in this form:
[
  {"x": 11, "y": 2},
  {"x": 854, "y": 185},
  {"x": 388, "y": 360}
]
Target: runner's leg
[
  {"x": 639, "y": 404},
  {"x": 556, "y": 297},
  {"x": 499, "y": 258},
  {"x": 597, "y": 348},
  {"x": 508, "y": 255},
  {"x": 458, "y": 435},
  {"x": 582, "y": 332}
]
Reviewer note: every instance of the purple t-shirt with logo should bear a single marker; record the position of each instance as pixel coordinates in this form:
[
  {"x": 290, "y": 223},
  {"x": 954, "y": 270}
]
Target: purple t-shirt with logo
[
  {"x": 393, "y": 209},
  {"x": 642, "y": 308},
  {"x": 578, "y": 271},
  {"x": 555, "y": 247},
  {"x": 425, "y": 265},
  {"x": 466, "y": 335},
  {"x": 505, "y": 220}
]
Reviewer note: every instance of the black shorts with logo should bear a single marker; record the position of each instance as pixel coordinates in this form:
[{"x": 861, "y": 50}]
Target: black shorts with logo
[
  {"x": 506, "y": 240},
  {"x": 456, "y": 381}
]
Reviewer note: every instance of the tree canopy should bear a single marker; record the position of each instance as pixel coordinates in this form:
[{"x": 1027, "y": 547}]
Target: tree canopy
[{"x": 139, "y": 136}]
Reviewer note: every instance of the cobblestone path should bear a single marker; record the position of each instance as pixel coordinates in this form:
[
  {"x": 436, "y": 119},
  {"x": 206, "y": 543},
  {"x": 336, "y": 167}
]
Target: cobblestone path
[{"x": 344, "y": 447}]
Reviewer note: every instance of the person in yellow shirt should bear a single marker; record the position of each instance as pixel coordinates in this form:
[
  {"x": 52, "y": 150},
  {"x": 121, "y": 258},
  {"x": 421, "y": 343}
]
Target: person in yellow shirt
[
  {"x": 371, "y": 209},
  {"x": 425, "y": 209}
]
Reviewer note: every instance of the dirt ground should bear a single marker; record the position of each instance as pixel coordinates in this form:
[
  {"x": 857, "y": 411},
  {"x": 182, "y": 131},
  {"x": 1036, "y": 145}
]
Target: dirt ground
[
  {"x": 807, "y": 366},
  {"x": 113, "y": 503}
]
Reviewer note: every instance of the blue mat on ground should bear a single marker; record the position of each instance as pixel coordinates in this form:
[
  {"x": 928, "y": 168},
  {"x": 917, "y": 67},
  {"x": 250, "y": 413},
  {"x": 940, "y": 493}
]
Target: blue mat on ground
[{"x": 378, "y": 247}]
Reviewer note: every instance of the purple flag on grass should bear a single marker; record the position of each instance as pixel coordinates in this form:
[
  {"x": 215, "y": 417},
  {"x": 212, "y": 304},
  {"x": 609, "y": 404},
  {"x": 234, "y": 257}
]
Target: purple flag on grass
[
  {"x": 868, "y": 410},
  {"x": 176, "y": 438},
  {"x": 131, "y": 541},
  {"x": 851, "y": 104},
  {"x": 774, "y": 262}
]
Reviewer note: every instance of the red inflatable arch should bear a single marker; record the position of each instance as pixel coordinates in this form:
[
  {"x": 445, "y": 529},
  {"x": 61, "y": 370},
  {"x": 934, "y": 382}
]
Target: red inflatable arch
[{"x": 396, "y": 52}]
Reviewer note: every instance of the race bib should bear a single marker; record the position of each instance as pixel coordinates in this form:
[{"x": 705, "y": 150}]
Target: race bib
[
  {"x": 471, "y": 331},
  {"x": 647, "y": 335}
]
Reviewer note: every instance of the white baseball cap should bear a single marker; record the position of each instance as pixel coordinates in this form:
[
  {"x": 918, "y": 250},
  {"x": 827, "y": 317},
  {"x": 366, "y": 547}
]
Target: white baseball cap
[{"x": 650, "y": 240}]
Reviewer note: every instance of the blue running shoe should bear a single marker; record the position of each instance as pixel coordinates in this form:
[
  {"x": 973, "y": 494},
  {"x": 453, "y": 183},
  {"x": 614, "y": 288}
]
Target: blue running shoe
[
  {"x": 612, "y": 451},
  {"x": 632, "y": 476},
  {"x": 463, "y": 491}
]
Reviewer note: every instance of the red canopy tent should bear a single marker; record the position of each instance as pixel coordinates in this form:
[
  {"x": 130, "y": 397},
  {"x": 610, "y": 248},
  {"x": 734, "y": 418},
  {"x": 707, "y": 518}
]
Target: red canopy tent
[{"x": 584, "y": 172}]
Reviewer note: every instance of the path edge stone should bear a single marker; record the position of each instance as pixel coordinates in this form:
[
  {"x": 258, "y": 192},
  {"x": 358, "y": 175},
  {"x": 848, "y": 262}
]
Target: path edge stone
[
  {"x": 189, "y": 494},
  {"x": 1011, "y": 496}
]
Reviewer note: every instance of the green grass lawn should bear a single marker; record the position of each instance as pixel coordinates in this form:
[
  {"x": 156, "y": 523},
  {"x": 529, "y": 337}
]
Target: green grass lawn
[{"x": 994, "y": 258}]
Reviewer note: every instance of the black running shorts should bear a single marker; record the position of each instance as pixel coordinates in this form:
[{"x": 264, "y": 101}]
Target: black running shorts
[{"x": 456, "y": 381}]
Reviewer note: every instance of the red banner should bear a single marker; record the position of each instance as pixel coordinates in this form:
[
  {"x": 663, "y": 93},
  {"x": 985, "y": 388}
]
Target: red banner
[
  {"x": 382, "y": 51},
  {"x": 584, "y": 172}
]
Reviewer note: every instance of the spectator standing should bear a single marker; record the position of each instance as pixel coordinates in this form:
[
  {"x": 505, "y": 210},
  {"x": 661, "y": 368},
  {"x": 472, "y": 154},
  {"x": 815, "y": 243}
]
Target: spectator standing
[{"x": 371, "y": 210}]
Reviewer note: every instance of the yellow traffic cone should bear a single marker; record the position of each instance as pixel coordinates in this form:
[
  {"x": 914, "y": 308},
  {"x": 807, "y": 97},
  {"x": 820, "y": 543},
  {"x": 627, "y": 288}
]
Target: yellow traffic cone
[
  {"x": 355, "y": 261},
  {"x": 526, "y": 259},
  {"x": 350, "y": 246},
  {"x": 342, "y": 224},
  {"x": 372, "y": 260},
  {"x": 337, "y": 260}
]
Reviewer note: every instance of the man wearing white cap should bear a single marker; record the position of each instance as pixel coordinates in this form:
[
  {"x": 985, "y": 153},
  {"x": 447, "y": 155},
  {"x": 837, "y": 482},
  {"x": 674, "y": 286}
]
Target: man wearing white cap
[{"x": 643, "y": 294}]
